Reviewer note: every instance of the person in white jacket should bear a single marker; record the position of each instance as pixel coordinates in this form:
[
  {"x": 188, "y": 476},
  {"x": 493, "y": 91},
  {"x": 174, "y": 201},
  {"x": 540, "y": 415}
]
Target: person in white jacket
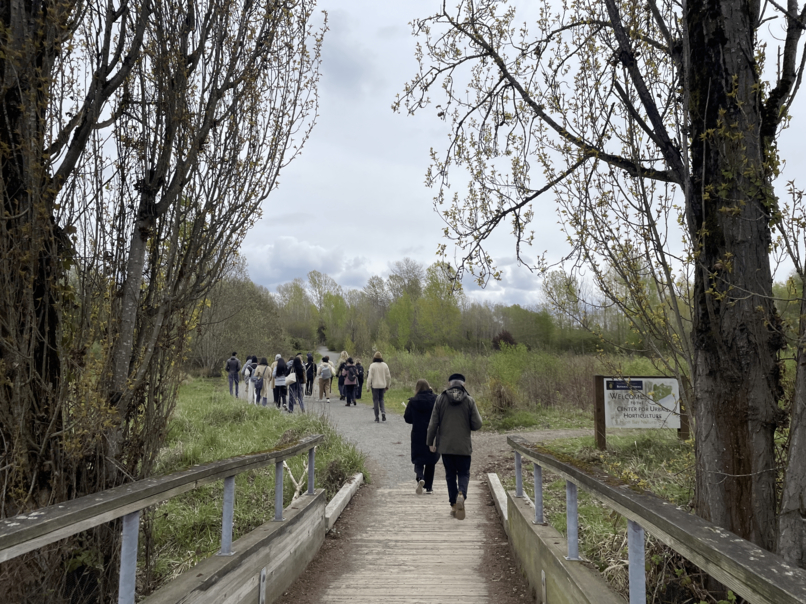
[
  {"x": 379, "y": 379},
  {"x": 326, "y": 371}
]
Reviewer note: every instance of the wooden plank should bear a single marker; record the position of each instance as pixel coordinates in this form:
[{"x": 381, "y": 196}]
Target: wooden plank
[
  {"x": 757, "y": 575},
  {"x": 27, "y": 532},
  {"x": 599, "y": 423}
]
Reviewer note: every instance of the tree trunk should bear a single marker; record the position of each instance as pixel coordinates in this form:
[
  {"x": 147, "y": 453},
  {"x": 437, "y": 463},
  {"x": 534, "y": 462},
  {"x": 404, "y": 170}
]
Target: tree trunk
[
  {"x": 735, "y": 323},
  {"x": 792, "y": 516}
]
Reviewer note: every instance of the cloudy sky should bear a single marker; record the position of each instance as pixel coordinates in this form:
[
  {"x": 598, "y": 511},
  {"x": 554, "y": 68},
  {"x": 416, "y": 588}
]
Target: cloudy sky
[{"x": 355, "y": 200}]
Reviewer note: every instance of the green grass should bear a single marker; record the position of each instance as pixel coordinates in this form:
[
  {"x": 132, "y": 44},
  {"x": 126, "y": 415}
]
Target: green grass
[
  {"x": 209, "y": 425},
  {"x": 548, "y": 418},
  {"x": 655, "y": 460}
]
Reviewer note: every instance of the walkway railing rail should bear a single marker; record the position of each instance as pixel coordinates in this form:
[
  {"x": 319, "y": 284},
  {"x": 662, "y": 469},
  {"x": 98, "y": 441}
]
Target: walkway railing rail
[
  {"x": 757, "y": 575},
  {"x": 27, "y": 532}
]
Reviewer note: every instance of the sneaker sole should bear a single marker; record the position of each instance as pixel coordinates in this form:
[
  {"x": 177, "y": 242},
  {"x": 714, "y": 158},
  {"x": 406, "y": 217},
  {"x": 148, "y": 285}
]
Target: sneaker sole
[
  {"x": 420, "y": 487},
  {"x": 460, "y": 508}
]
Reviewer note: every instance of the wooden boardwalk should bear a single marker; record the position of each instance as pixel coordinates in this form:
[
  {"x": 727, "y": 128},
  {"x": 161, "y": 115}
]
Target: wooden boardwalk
[{"x": 412, "y": 551}]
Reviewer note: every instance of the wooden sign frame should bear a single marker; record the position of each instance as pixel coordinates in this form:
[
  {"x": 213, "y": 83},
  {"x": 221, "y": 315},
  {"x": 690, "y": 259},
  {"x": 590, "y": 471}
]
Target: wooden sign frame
[{"x": 599, "y": 424}]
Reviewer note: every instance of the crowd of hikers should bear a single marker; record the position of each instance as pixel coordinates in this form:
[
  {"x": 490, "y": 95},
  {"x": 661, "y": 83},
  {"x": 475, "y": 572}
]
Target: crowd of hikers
[
  {"x": 440, "y": 425},
  {"x": 291, "y": 379}
]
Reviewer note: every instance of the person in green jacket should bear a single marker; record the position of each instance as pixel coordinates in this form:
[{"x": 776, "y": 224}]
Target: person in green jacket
[{"x": 454, "y": 417}]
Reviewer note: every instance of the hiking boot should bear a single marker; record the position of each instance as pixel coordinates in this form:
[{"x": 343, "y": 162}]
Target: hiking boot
[
  {"x": 460, "y": 507},
  {"x": 420, "y": 484},
  {"x": 383, "y": 417},
  {"x": 377, "y": 421}
]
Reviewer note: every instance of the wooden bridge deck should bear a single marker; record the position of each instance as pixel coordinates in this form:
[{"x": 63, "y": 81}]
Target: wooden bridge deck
[{"x": 412, "y": 551}]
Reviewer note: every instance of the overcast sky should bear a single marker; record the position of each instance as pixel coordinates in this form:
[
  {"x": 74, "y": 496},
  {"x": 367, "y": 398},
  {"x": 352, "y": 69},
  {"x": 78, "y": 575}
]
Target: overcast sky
[{"x": 355, "y": 200}]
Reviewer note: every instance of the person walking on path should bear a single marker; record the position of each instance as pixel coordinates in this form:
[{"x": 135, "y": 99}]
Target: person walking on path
[
  {"x": 297, "y": 389},
  {"x": 379, "y": 380},
  {"x": 326, "y": 373},
  {"x": 360, "y": 368},
  {"x": 350, "y": 374},
  {"x": 262, "y": 377},
  {"x": 248, "y": 373},
  {"x": 278, "y": 373},
  {"x": 418, "y": 414},
  {"x": 310, "y": 370},
  {"x": 342, "y": 361},
  {"x": 232, "y": 367},
  {"x": 454, "y": 417}
]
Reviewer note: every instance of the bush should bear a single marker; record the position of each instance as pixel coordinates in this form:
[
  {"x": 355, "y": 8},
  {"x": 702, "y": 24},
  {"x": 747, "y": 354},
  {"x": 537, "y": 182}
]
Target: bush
[{"x": 503, "y": 338}]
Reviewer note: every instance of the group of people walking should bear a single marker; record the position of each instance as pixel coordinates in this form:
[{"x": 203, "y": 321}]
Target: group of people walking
[
  {"x": 441, "y": 425},
  {"x": 291, "y": 381}
]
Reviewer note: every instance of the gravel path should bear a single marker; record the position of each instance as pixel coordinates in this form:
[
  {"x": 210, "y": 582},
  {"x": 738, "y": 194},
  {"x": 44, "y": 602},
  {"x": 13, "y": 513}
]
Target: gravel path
[{"x": 387, "y": 443}]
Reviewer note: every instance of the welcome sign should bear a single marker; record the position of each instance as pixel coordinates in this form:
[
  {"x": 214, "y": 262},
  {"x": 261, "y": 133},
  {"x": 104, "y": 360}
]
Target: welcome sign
[{"x": 645, "y": 402}]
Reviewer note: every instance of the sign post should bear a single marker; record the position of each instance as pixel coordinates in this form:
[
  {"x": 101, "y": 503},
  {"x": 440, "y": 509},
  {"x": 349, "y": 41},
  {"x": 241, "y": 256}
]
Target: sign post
[{"x": 637, "y": 402}]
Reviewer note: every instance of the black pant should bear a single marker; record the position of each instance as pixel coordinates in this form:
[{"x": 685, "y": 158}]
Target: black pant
[
  {"x": 457, "y": 474},
  {"x": 425, "y": 472},
  {"x": 358, "y": 389},
  {"x": 349, "y": 392},
  {"x": 309, "y": 385},
  {"x": 281, "y": 394}
]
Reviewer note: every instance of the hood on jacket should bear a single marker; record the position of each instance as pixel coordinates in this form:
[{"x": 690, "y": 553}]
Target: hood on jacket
[{"x": 456, "y": 394}]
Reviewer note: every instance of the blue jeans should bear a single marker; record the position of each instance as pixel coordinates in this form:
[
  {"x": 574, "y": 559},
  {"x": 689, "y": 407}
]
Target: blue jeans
[
  {"x": 457, "y": 470},
  {"x": 233, "y": 378},
  {"x": 377, "y": 401},
  {"x": 295, "y": 394}
]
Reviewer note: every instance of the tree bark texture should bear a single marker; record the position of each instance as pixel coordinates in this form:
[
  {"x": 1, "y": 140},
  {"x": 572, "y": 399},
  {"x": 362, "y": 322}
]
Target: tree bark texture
[{"x": 736, "y": 334}]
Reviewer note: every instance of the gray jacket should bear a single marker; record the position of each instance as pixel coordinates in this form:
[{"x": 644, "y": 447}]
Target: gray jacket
[{"x": 454, "y": 416}]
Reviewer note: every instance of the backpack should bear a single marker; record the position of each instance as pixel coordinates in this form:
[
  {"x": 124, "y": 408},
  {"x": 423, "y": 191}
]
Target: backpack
[
  {"x": 326, "y": 372},
  {"x": 360, "y": 369},
  {"x": 247, "y": 371},
  {"x": 352, "y": 373}
]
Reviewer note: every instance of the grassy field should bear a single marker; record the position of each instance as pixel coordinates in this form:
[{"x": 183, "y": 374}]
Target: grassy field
[
  {"x": 209, "y": 425},
  {"x": 655, "y": 460}
]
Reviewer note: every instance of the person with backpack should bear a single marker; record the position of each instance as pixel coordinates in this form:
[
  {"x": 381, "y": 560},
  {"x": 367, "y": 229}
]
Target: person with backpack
[
  {"x": 248, "y": 373},
  {"x": 350, "y": 374},
  {"x": 279, "y": 373},
  {"x": 232, "y": 367},
  {"x": 360, "y": 368},
  {"x": 326, "y": 372},
  {"x": 262, "y": 377},
  {"x": 379, "y": 381},
  {"x": 454, "y": 417},
  {"x": 342, "y": 360},
  {"x": 310, "y": 371}
]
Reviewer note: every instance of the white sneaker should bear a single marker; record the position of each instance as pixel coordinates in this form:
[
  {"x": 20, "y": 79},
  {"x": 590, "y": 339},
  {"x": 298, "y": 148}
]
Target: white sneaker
[
  {"x": 420, "y": 487},
  {"x": 460, "y": 507}
]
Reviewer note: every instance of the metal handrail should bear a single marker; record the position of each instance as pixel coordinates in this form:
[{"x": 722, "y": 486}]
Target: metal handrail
[
  {"x": 26, "y": 532},
  {"x": 759, "y": 576}
]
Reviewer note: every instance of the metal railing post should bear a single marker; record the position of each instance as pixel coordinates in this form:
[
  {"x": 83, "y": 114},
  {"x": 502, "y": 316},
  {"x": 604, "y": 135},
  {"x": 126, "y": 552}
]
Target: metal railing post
[
  {"x": 572, "y": 520},
  {"x": 635, "y": 548},
  {"x": 278, "y": 491},
  {"x": 227, "y": 516},
  {"x": 128, "y": 558},
  {"x": 518, "y": 475},
  {"x": 311, "y": 465},
  {"x": 538, "y": 493}
]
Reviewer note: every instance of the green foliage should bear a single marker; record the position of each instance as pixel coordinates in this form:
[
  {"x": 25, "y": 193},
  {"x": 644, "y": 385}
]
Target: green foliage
[{"x": 210, "y": 425}]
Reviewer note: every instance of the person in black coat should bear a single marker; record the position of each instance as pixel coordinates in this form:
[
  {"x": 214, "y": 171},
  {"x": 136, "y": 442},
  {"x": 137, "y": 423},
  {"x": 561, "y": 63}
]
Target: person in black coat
[{"x": 418, "y": 414}]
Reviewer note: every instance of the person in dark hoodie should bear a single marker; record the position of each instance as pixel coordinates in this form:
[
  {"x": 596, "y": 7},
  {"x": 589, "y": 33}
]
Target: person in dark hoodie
[
  {"x": 310, "y": 369},
  {"x": 454, "y": 417},
  {"x": 418, "y": 414}
]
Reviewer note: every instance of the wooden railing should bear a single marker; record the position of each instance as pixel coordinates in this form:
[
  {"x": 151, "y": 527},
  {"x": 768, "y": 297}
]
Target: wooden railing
[
  {"x": 27, "y": 532},
  {"x": 757, "y": 575}
]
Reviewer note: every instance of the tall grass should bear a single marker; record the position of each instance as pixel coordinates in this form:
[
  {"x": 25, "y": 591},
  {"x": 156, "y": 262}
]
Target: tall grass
[
  {"x": 209, "y": 425},
  {"x": 516, "y": 387}
]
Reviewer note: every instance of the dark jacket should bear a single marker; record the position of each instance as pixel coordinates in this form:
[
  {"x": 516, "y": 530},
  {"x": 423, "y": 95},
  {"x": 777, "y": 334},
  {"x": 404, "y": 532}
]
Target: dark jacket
[
  {"x": 455, "y": 415},
  {"x": 233, "y": 365},
  {"x": 418, "y": 413}
]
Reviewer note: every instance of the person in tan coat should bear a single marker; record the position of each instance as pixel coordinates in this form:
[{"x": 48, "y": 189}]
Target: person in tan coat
[
  {"x": 326, "y": 371},
  {"x": 379, "y": 380}
]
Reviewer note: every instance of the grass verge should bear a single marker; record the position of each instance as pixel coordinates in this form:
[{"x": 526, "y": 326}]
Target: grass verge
[
  {"x": 209, "y": 425},
  {"x": 655, "y": 460}
]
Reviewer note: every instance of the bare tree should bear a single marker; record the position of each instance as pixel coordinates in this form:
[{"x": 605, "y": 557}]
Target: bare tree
[{"x": 608, "y": 102}]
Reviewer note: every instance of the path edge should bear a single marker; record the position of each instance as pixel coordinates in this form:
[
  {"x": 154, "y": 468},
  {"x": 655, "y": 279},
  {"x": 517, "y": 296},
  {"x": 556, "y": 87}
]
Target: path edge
[
  {"x": 342, "y": 498},
  {"x": 499, "y": 496}
]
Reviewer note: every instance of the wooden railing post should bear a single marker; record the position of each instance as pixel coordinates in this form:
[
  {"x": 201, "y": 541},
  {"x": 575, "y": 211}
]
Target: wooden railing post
[
  {"x": 518, "y": 475},
  {"x": 637, "y": 570},
  {"x": 278, "y": 491},
  {"x": 227, "y": 516},
  {"x": 311, "y": 469},
  {"x": 572, "y": 520},
  {"x": 128, "y": 558}
]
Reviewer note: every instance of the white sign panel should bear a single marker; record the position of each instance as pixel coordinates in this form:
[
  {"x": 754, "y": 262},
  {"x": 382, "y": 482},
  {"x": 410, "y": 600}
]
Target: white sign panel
[{"x": 642, "y": 403}]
